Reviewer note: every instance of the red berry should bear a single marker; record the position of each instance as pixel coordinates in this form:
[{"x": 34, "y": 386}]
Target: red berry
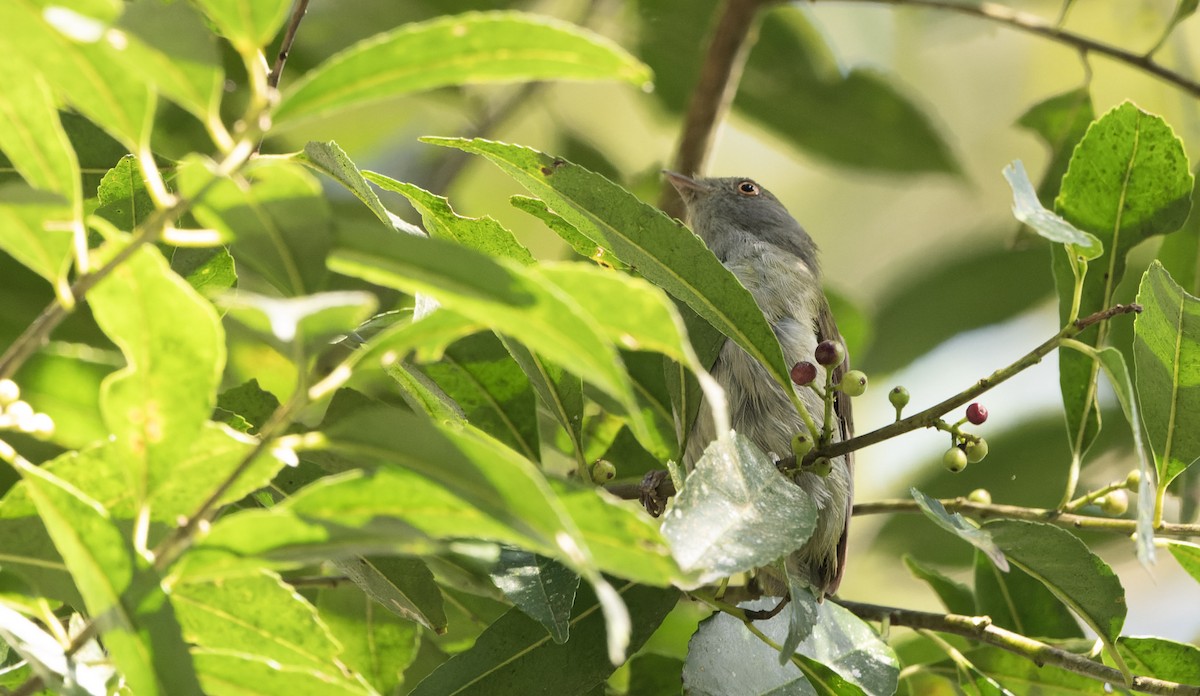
[
  {"x": 804, "y": 373},
  {"x": 830, "y": 353},
  {"x": 976, "y": 413}
]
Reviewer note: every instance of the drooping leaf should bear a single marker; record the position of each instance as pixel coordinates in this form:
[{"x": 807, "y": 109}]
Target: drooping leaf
[
  {"x": 515, "y": 651},
  {"x": 569, "y": 234},
  {"x": 1129, "y": 180},
  {"x": 462, "y": 49},
  {"x": 1029, "y": 210},
  {"x": 172, "y": 340},
  {"x": 1183, "y": 10},
  {"x": 560, "y": 393},
  {"x": 540, "y": 587},
  {"x": 330, "y": 159},
  {"x": 402, "y": 586},
  {"x": 248, "y": 24},
  {"x": 139, "y": 628},
  {"x": 33, "y": 230},
  {"x": 955, "y": 596},
  {"x": 1188, "y": 556},
  {"x": 1166, "y": 351},
  {"x": 962, "y": 528},
  {"x": 31, "y": 134},
  {"x": 662, "y": 250},
  {"x": 482, "y": 234},
  {"x": 71, "y": 47},
  {"x": 736, "y": 512},
  {"x": 1019, "y": 602}
]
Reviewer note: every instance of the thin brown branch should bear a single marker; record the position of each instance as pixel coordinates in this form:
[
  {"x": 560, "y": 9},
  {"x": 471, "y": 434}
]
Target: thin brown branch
[
  {"x": 299, "y": 8},
  {"x": 1033, "y": 24},
  {"x": 991, "y": 510},
  {"x": 980, "y": 628},
  {"x": 929, "y": 416},
  {"x": 732, "y": 38}
]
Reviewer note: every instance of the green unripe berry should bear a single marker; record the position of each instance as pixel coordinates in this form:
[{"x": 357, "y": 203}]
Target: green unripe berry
[
  {"x": 976, "y": 450},
  {"x": 899, "y": 397},
  {"x": 981, "y": 496},
  {"x": 829, "y": 353},
  {"x": 1114, "y": 502},
  {"x": 9, "y": 392},
  {"x": 1133, "y": 480},
  {"x": 603, "y": 471},
  {"x": 802, "y": 444},
  {"x": 822, "y": 466},
  {"x": 854, "y": 383},
  {"x": 955, "y": 460}
]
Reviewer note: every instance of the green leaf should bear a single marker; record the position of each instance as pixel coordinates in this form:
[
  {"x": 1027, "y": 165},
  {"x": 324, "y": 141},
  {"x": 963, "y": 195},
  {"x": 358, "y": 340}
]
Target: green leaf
[
  {"x": 1161, "y": 658},
  {"x": 1029, "y": 210},
  {"x": 221, "y": 673},
  {"x": 309, "y": 320},
  {"x": 541, "y": 587},
  {"x": 665, "y": 252},
  {"x": 505, "y": 297},
  {"x": 170, "y": 46},
  {"x": 515, "y": 652},
  {"x": 139, "y": 629},
  {"x": 1060, "y": 122},
  {"x": 248, "y": 24},
  {"x": 124, "y": 200},
  {"x": 1008, "y": 668},
  {"x": 736, "y": 512},
  {"x": 1188, "y": 556},
  {"x": 31, "y": 134},
  {"x": 560, "y": 394},
  {"x": 210, "y": 271},
  {"x": 377, "y": 645},
  {"x": 175, "y": 350},
  {"x": 581, "y": 244},
  {"x": 843, "y": 655},
  {"x": 33, "y": 230},
  {"x": 75, "y": 53},
  {"x": 482, "y": 234},
  {"x": 1066, "y": 566},
  {"x": 463, "y": 49},
  {"x": 1180, "y": 251},
  {"x": 494, "y": 394},
  {"x": 1166, "y": 351},
  {"x": 63, "y": 381},
  {"x": 1019, "y": 602},
  {"x": 250, "y": 401},
  {"x": 330, "y": 159},
  {"x": 281, "y": 224},
  {"x": 1183, "y": 10},
  {"x": 1128, "y": 180},
  {"x": 955, "y": 596},
  {"x": 260, "y": 617},
  {"x": 403, "y": 586},
  {"x": 961, "y": 527}
]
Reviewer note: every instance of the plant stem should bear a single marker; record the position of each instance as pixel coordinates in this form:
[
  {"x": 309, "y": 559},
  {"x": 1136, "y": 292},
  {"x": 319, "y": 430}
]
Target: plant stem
[
  {"x": 991, "y": 510},
  {"x": 1033, "y": 24},
  {"x": 928, "y": 418},
  {"x": 728, "y": 49},
  {"x": 980, "y": 628},
  {"x": 299, "y": 8}
]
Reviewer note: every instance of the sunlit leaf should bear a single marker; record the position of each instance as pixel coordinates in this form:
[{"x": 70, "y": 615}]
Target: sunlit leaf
[
  {"x": 377, "y": 645},
  {"x": 33, "y": 229},
  {"x": 170, "y": 45},
  {"x": 1188, "y": 556},
  {"x": 248, "y": 24},
  {"x": 31, "y": 135},
  {"x": 1161, "y": 658},
  {"x": 307, "y": 319},
  {"x": 470, "y": 48},
  {"x": 540, "y": 587}
]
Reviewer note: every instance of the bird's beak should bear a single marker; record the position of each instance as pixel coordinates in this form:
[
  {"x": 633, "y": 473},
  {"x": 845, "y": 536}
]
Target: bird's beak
[{"x": 682, "y": 183}]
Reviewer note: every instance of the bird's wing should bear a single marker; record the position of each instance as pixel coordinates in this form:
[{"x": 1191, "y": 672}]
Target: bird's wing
[{"x": 827, "y": 330}]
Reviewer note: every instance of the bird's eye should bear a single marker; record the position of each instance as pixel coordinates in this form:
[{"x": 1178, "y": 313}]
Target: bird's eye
[{"x": 748, "y": 188}]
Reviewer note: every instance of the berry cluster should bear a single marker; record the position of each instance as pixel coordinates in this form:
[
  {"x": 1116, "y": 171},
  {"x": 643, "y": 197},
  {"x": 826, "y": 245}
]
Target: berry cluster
[
  {"x": 966, "y": 448},
  {"x": 19, "y": 415},
  {"x": 829, "y": 355}
]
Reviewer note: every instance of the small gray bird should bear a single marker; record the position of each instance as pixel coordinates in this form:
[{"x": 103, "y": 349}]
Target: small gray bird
[{"x": 756, "y": 238}]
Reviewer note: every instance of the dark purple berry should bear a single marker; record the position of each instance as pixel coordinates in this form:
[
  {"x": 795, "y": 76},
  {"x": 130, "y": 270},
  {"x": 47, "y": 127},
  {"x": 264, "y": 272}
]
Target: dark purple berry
[
  {"x": 804, "y": 373},
  {"x": 976, "y": 413},
  {"x": 830, "y": 353}
]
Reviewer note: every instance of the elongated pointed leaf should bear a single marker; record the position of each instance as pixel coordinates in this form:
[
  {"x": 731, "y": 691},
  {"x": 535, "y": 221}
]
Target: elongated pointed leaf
[
  {"x": 515, "y": 651},
  {"x": 403, "y": 586},
  {"x": 1029, "y": 210},
  {"x": 375, "y": 644},
  {"x": 172, "y": 340},
  {"x": 736, "y": 512},
  {"x": 1166, "y": 351},
  {"x": 961, "y": 527},
  {"x": 330, "y": 159},
  {"x": 463, "y": 49},
  {"x": 1188, "y": 556},
  {"x": 142, "y": 638},
  {"x": 560, "y": 393},
  {"x": 581, "y": 244},
  {"x": 662, "y": 250},
  {"x": 1019, "y": 602},
  {"x": 955, "y": 596},
  {"x": 1129, "y": 180},
  {"x": 540, "y": 587},
  {"x": 482, "y": 234}
]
